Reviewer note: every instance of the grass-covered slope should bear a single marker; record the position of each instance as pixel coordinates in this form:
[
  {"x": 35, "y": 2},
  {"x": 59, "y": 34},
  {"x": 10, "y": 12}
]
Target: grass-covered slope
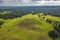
[{"x": 28, "y": 27}]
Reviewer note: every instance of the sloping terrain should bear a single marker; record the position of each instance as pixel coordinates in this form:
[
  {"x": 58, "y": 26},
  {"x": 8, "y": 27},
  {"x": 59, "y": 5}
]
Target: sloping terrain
[{"x": 27, "y": 27}]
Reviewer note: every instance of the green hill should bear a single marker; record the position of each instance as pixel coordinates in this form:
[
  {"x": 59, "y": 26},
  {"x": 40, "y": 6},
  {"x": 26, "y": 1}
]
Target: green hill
[{"x": 28, "y": 27}]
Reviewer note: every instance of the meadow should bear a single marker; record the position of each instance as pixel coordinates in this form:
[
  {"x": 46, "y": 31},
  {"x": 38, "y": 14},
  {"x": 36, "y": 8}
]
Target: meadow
[{"x": 29, "y": 26}]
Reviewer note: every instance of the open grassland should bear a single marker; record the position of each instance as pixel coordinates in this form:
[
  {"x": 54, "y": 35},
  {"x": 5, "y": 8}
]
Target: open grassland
[{"x": 27, "y": 27}]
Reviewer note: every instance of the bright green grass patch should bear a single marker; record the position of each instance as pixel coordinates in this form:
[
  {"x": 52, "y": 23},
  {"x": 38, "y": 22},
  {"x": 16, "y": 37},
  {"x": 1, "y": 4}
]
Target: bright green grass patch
[{"x": 53, "y": 18}]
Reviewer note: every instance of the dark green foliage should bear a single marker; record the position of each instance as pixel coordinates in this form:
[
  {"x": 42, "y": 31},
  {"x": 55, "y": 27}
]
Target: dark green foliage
[
  {"x": 12, "y": 15},
  {"x": 57, "y": 29},
  {"x": 0, "y": 26},
  {"x": 39, "y": 15},
  {"x": 53, "y": 34},
  {"x": 43, "y": 17},
  {"x": 1, "y": 22},
  {"x": 9, "y": 16},
  {"x": 57, "y": 26},
  {"x": 49, "y": 21}
]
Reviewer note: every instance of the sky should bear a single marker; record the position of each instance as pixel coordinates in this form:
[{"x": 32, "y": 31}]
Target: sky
[{"x": 29, "y": 2}]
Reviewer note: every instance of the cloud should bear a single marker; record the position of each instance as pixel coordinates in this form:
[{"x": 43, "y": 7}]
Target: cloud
[{"x": 28, "y": 2}]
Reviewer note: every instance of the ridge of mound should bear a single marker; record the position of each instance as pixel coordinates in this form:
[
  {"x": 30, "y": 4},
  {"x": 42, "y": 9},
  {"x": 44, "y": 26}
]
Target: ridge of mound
[{"x": 28, "y": 24}]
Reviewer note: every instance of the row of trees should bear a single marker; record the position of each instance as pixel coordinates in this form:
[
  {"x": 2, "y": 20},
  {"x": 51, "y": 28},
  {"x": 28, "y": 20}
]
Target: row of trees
[
  {"x": 13, "y": 14},
  {"x": 10, "y": 15}
]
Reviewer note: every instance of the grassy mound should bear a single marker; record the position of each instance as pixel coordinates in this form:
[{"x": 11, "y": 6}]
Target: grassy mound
[{"x": 28, "y": 27}]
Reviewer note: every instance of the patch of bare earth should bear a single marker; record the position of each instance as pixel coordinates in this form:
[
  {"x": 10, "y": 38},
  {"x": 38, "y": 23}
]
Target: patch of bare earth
[{"x": 28, "y": 24}]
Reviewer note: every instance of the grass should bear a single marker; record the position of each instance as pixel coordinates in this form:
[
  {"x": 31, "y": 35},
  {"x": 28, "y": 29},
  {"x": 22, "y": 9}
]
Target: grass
[{"x": 28, "y": 27}]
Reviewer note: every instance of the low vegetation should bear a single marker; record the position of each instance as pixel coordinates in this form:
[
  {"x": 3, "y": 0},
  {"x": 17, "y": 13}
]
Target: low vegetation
[{"x": 30, "y": 27}]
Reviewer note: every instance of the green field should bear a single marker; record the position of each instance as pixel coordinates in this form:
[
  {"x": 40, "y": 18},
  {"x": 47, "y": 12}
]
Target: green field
[{"x": 27, "y": 27}]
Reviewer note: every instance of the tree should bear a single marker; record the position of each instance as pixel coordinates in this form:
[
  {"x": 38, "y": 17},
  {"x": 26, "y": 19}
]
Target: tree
[{"x": 53, "y": 34}]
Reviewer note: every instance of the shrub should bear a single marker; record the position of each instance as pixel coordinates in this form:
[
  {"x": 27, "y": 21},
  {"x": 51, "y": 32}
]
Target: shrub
[
  {"x": 53, "y": 34},
  {"x": 1, "y": 22}
]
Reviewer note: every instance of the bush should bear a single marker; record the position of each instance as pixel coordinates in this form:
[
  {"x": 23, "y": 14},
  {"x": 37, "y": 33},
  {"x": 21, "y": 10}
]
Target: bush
[
  {"x": 49, "y": 21},
  {"x": 53, "y": 34},
  {"x": 1, "y": 22}
]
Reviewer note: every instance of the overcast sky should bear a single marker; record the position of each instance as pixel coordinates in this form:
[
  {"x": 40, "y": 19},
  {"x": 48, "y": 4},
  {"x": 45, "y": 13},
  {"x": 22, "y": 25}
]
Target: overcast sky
[{"x": 29, "y": 2}]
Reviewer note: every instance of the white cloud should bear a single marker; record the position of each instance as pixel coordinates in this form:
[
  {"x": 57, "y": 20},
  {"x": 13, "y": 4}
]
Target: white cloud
[{"x": 28, "y": 2}]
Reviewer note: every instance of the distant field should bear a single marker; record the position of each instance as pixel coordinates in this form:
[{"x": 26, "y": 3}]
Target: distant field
[{"x": 29, "y": 27}]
